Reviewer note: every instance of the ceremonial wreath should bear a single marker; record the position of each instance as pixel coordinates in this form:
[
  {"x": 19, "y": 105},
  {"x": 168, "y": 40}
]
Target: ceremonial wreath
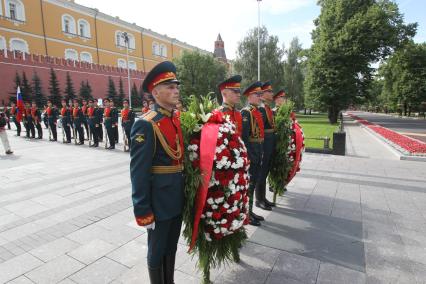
[
  {"x": 216, "y": 186},
  {"x": 289, "y": 148}
]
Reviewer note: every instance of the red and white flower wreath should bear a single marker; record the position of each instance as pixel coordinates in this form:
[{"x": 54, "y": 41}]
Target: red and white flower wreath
[{"x": 226, "y": 208}]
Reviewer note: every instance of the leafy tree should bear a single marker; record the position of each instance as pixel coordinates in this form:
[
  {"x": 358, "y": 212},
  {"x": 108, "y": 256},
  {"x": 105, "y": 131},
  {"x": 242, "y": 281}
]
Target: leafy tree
[
  {"x": 293, "y": 73},
  {"x": 271, "y": 58},
  {"x": 85, "y": 91},
  {"x": 404, "y": 76},
  {"x": 89, "y": 90},
  {"x": 121, "y": 94},
  {"x": 349, "y": 36},
  {"x": 39, "y": 97},
  {"x": 26, "y": 90},
  {"x": 54, "y": 90},
  {"x": 17, "y": 80},
  {"x": 69, "y": 89},
  {"x": 112, "y": 93},
  {"x": 135, "y": 97},
  {"x": 199, "y": 74}
]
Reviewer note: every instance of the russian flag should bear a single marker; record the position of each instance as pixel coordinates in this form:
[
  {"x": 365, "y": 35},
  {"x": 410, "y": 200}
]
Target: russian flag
[{"x": 19, "y": 104}]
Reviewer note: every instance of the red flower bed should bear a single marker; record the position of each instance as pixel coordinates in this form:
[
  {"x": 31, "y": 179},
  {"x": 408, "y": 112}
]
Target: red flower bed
[{"x": 407, "y": 143}]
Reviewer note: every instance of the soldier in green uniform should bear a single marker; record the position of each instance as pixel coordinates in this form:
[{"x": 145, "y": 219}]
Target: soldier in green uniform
[
  {"x": 156, "y": 172},
  {"x": 279, "y": 99},
  {"x": 93, "y": 121},
  {"x": 29, "y": 121},
  {"x": 36, "y": 114},
  {"x": 253, "y": 135},
  {"x": 268, "y": 146},
  {"x": 114, "y": 120},
  {"x": 52, "y": 118},
  {"x": 127, "y": 120},
  {"x": 84, "y": 108},
  {"x": 231, "y": 95},
  {"x": 78, "y": 118},
  {"x": 108, "y": 122},
  {"x": 66, "y": 121},
  {"x": 15, "y": 118},
  {"x": 99, "y": 113}
]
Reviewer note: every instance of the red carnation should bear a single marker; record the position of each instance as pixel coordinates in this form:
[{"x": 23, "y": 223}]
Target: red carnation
[
  {"x": 233, "y": 144},
  {"x": 216, "y": 194},
  {"x": 223, "y": 210},
  {"x": 216, "y": 216},
  {"x": 226, "y": 152}
]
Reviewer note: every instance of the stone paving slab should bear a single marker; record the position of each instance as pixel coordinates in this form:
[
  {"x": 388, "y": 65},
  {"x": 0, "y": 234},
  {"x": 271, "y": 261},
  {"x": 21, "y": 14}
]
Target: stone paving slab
[{"x": 353, "y": 219}]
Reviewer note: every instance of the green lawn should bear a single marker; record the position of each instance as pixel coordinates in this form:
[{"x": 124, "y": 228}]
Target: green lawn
[{"x": 315, "y": 126}]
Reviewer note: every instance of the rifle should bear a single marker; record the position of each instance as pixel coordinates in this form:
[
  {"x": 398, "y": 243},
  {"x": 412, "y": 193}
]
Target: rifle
[
  {"x": 126, "y": 140},
  {"x": 106, "y": 136},
  {"x": 90, "y": 136},
  {"x": 63, "y": 130},
  {"x": 50, "y": 130},
  {"x": 75, "y": 134}
]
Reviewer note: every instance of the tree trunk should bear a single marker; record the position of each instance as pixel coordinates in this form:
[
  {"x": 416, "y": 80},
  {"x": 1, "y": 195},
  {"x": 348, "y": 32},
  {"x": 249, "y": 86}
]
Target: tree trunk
[
  {"x": 310, "y": 111},
  {"x": 405, "y": 109},
  {"x": 333, "y": 113},
  {"x": 305, "y": 111}
]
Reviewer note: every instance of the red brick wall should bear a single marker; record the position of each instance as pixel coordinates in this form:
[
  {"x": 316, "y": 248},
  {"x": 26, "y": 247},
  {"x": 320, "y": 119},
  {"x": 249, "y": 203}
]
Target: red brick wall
[{"x": 97, "y": 75}]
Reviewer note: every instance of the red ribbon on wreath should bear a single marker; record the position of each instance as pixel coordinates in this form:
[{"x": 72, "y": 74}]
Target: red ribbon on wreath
[
  {"x": 298, "y": 138},
  {"x": 208, "y": 140}
]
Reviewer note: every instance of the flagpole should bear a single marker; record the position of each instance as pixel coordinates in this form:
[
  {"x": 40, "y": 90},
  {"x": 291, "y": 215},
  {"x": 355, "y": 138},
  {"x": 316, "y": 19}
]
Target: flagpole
[{"x": 258, "y": 40}]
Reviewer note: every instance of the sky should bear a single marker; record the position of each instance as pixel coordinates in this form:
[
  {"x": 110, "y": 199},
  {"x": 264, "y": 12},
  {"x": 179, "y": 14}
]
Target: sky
[{"x": 198, "y": 22}]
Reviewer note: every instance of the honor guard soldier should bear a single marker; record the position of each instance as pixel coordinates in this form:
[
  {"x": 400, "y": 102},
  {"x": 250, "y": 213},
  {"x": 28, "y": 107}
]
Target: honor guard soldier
[
  {"x": 78, "y": 118},
  {"x": 114, "y": 120},
  {"x": 36, "y": 114},
  {"x": 145, "y": 107},
  {"x": 279, "y": 99},
  {"x": 156, "y": 172},
  {"x": 84, "y": 110},
  {"x": 29, "y": 121},
  {"x": 99, "y": 113},
  {"x": 268, "y": 146},
  {"x": 15, "y": 118},
  {"x": 66, "y": 121},
  {"x": 253, "y": 136},
  {"x": 231, "y": 95},
  {"x": 127, "y": 120},
  {"x": 108, "y": 124},
  {"x": 52, "y": 117},
  {"x": 93, "y": 121}
]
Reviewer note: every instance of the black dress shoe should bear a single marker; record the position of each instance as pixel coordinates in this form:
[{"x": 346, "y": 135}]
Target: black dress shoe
[
  {"x": 111, "y": 147},
  {"x": 257, "y": 217},
  {"x": 156, "y": 275},
  {"x": 52, "y": 140},
  {"x": 263, "y": 206},
  {"x": 253, "y": 221},
  {"x": 271, "y": 189},
  {"x": 270, "y": 204},
  {"x": 80, "y": 143}
]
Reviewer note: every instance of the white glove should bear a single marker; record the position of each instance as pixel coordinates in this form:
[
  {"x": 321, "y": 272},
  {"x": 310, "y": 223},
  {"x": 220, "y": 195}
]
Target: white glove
[{"x": 150, "y": 226}]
